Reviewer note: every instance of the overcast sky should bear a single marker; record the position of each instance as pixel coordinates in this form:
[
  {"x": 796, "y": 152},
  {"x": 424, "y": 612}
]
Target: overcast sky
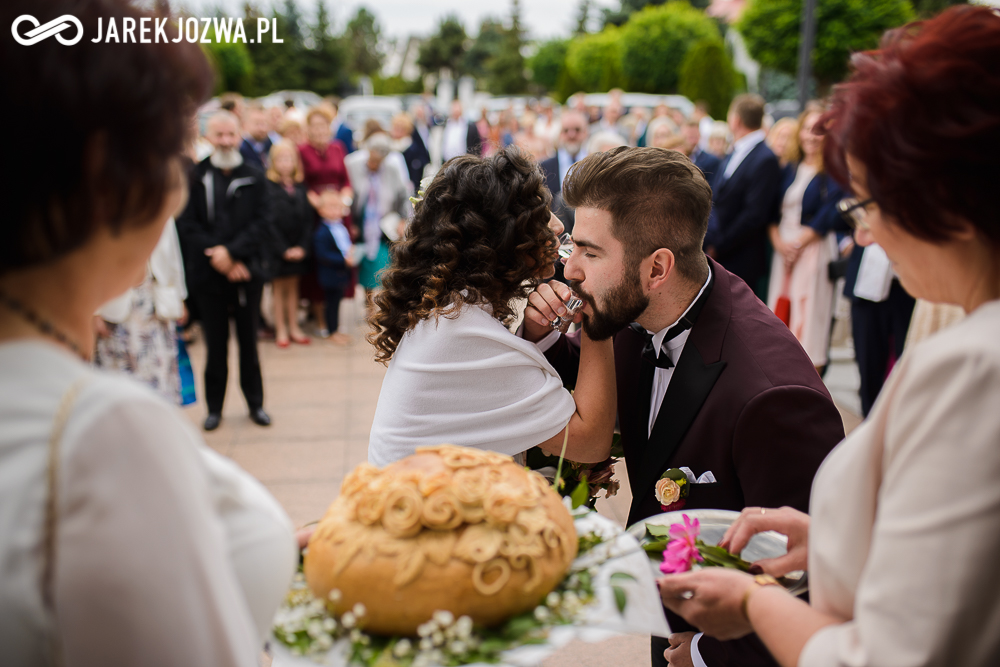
[{"x": 400, "y": 18}]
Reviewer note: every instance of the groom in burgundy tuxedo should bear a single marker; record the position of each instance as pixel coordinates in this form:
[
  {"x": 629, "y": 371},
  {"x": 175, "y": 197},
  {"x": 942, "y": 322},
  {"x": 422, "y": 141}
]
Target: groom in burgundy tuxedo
[{"x": 707, "y": 377}]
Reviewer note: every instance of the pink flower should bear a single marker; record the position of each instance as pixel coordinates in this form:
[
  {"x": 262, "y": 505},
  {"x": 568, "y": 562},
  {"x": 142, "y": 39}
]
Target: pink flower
[{"x": 682, "y": 549}]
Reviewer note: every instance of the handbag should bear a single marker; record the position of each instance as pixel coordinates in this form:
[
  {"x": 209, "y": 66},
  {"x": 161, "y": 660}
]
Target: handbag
[{"x": 49, "y": 547}]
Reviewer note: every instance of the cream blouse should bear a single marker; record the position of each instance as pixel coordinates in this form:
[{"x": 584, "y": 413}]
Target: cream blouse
[
  {"x": 167, "y": 553},
  {"x": 904, "y": 543}
]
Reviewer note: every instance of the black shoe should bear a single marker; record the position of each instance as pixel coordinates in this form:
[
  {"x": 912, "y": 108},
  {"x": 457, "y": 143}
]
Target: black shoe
[
  {"x": 259, "y": 417},
  {"x": 212, "y": 421}
]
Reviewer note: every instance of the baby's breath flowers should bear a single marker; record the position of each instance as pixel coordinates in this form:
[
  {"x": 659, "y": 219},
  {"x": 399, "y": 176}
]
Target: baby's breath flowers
[{"x": 307, "y": 628}]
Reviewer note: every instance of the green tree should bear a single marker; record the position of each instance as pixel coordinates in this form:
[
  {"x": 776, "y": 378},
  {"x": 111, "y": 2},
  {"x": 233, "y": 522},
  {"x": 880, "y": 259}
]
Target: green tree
[
  {"x": 548, "y": 63},
  {"x": 324, "y": 65},
  {"x": 276, "y": 66},
  {"x": 708, "y": 74},
  {"x": 627, "y": 8},
  {"x": 506, "y": 70},
  {"x": 595, "y": 60},
  {"x": 233, "y": 67},
  {"x": 363, "y": 35},
  {"x": 771, "y": 31},
  {"x": 583, "y": 17},
  {"x": 928, "y": 8},
  {"x": 655, "y": 42},
  {"x": 445, "y": 49},
  {"x": 484, "y": 48}
]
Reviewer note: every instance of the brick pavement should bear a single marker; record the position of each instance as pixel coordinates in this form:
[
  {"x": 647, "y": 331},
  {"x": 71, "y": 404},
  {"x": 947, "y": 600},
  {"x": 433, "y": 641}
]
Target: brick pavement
[{"x": 322, "y": 399}]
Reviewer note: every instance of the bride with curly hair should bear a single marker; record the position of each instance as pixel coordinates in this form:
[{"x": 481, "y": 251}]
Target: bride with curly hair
[{"x": 482, "y": 238}]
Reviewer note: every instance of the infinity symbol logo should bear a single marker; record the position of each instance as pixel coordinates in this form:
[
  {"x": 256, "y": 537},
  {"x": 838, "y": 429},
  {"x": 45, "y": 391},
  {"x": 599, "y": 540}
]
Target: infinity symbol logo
[{"x": 53, "y": 27}]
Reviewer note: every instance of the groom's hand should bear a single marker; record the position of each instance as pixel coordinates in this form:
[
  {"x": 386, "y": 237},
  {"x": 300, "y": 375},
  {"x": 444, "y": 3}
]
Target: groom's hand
[
  {"x": 679, "y": 653},
  {"x": 545, "y": 305}
]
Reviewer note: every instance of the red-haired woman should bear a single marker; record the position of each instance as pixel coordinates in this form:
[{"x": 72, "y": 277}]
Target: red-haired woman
[{"x": 902, "y": 542}]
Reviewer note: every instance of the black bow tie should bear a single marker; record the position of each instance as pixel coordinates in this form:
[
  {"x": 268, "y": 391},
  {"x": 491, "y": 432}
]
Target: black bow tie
[{"x": 649, "y": 353}]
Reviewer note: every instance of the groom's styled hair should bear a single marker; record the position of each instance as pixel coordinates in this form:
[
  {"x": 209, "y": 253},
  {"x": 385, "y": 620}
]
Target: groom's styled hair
[{"x": 657, "y": 199}]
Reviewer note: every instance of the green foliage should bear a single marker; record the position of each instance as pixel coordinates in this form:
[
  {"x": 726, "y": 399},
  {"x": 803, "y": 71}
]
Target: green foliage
[
  {"x": 627, "y": 8},
  {"x": 595, "y": 61},
  {"x": 276, "y": 66},
  {"x": 708, "y": 74},
  {"x": 506, "y": 69},
  {"x": 445, "y": 49},
  {"x": 655, "y": 41},
  {"x": 771, "y": 31},
  {"x": 362, "y": 36},
  {"x": 485, "y": 48},
  {"x": 927, "y": 8},
  {"x": 324, "y": 65},
  {"x": 549, "y": 63},
  {"x": 233, "y": 67},
  {"x": 396, "y": 85},
  {"x": 583, "y": 17}
]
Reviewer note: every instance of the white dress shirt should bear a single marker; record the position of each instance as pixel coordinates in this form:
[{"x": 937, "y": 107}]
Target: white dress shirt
[
  {"x": 566, "y": 161},
  {"x": 456, "y": 138},
  {"x": 742, "y": 148},
  {"x": 672, "y": 348}
]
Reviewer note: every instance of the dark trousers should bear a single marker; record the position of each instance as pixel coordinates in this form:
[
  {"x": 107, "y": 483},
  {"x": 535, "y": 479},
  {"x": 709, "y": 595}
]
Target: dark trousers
[
  {"x": 879, "y": 331},
  {"x": 332, "y": 297},
  {"x": 242, "y": 300}
]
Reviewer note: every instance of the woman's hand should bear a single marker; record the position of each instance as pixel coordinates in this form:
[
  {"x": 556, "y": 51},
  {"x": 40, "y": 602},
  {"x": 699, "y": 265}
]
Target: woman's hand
[
  {"x": 780, "y": 247},
  {"x": 785, "y": 520},
  {"x": 545, "y": 305},
  {"x": 710, "y": 599}
]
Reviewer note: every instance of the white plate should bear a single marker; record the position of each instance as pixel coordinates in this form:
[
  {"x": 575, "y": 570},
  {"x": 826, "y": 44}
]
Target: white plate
[{"x": 714, "y": 524}]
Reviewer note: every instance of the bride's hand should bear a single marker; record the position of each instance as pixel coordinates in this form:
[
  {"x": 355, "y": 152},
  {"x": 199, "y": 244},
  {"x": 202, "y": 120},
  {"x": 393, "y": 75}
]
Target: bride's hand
[
  {"x": 545, "y": 305},
  {"x": 785, "y": 520}
]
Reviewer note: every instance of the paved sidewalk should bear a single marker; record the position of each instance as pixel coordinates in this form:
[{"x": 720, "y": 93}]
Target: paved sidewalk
[{"x": 322, "y": 398}]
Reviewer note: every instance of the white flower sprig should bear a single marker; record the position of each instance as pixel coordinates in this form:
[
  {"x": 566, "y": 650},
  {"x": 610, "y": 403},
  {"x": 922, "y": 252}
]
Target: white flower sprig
[
  {"x": 422, "y": 190},
  {"x": 307, "y": 628}
]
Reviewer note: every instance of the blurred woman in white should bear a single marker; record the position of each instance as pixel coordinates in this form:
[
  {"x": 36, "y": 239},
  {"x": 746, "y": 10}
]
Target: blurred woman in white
[{"x": 804, "y": 243}]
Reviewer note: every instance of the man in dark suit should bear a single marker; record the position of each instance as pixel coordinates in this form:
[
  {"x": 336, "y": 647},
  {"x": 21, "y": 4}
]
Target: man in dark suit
[
  {"x": 707, "y": 377},
  {"x": 222, "y": 231},
  {"x": 256, "y": 146},
  {"x": 708, "y": 163},
  {"x": 743, "y": 192},
  {"x": 572, "y": 138}
]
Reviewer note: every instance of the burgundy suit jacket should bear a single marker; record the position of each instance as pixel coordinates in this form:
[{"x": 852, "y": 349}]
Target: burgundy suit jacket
[{"x": 744, "y": 401}]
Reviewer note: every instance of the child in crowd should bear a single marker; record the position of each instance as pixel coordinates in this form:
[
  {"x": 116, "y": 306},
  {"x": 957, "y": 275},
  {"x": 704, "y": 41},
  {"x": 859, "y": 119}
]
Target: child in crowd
[{"x": 334, "y": 257}]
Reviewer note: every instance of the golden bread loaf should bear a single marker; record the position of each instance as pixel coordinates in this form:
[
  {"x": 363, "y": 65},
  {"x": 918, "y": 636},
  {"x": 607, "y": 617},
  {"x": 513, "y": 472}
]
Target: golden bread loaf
[{"x": 448, "y": 528}]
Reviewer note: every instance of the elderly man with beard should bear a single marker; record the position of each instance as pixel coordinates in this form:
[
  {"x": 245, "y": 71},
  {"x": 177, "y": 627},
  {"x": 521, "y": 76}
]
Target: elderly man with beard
[
  {"x": 572, "y": 139},
  {"x": 708, "y": 378},
  {"x": 222, "y": 232}
]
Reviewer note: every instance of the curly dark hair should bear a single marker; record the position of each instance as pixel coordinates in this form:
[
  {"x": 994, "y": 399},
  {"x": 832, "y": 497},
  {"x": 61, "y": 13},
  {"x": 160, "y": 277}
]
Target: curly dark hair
[{"x": 482, "y": 229}]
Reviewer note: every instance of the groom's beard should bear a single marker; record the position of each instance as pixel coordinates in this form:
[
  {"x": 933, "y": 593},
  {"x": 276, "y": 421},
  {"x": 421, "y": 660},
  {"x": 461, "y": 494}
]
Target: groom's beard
[
  {"x": 226, "y": 159},
  {"x": 622, "y": 305}
]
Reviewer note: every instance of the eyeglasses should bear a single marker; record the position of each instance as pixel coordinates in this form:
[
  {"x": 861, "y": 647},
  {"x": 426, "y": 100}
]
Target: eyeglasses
[{"x": 854, "y": 212}]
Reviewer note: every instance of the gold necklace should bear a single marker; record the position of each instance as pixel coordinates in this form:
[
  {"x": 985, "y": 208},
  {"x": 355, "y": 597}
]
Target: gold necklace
[{"x": 40, "y": 323}]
